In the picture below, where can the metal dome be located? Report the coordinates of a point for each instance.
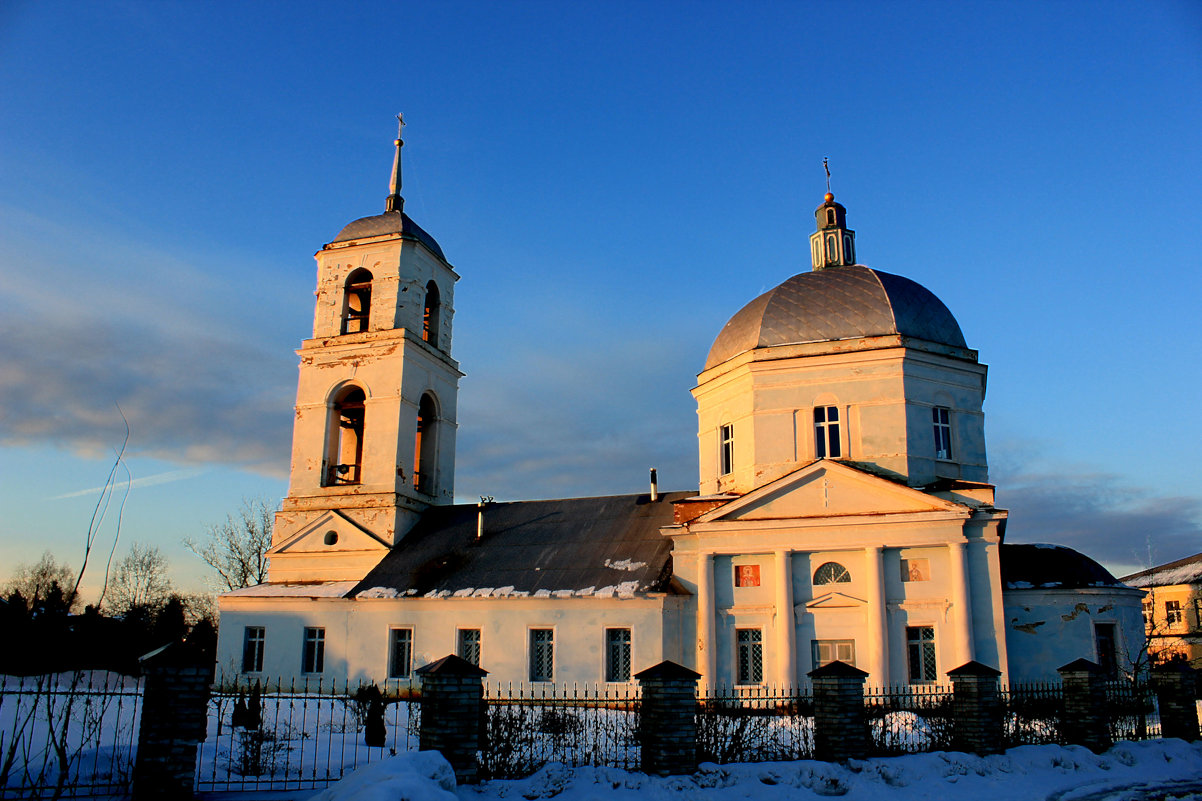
(390, 222)
(837, 303)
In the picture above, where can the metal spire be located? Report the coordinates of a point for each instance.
(395, 202)
(827, 167)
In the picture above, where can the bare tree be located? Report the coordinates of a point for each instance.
(237, 548)
(139, 581)
(38, 581)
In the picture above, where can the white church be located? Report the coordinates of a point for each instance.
(844, 510)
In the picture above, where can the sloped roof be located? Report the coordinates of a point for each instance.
(561, 547)
(390, 222)
(837, 303)
(1183, 571)
(1050, 567)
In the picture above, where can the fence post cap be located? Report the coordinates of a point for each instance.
(1082, 665)
(177, 653)
(667, 670)
(837, 670)
(451, 665)
(974, 668)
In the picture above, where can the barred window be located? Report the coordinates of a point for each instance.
(313, 658)
(617, 654)
(920, 649)
(469, 645)
(253, 640)
(400, 653)
(941, 421)
(831, 573)
(542, 655)
(826, 432)
(750, 657)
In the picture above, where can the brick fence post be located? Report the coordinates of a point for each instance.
(977, 708)
(1175, 694)
(175, 709)
(668, 723)
(1086, 719)
(452, 695)
(840, 723)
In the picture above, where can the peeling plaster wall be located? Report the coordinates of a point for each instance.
(1048, 628)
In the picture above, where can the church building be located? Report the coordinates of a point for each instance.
(844, 510)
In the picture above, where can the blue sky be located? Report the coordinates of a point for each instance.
(612, 181)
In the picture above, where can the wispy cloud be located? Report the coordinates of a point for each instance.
(146, 481)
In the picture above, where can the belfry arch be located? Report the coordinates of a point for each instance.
(425, 446)
(431, 314)
(356, 303)
(344, 437)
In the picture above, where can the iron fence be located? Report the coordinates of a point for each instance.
(910, 719)
(281, 737)
(1132, 711)
(68, 735)
(525, 727)
(755, 724)
(1033, 714)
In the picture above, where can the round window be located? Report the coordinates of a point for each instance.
(331, 538)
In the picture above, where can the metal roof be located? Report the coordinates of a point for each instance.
(390, 222)
(837, 303)
(1050, 567)
(1182, 571)
(563, 547)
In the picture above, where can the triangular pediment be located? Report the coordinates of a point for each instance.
(828, 489)
(835, 600)
(332, 525)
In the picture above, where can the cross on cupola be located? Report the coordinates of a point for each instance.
(833, 244)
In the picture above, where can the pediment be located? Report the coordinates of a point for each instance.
(314, 537)
(835, 600)
(828, 489)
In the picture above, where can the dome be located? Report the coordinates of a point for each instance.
(1050, 567)
(846, 302)
(390, 222)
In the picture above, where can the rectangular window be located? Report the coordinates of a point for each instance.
(826, 432)
(400, 653)
(1105, 643)
(727, 436)
(747, 575)
(941, 418)
(617, 654)
(469, 645)
(920, 651)
(826, 651)
(1148, 614)
(1172, 613)
(542, 655)
(253, 640)
(750, 667)
(1198, 613)
(313, 659)
(915, 570)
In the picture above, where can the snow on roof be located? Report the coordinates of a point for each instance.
(300, 589)
(1183, 571)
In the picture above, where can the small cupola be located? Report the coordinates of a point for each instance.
(833, 244)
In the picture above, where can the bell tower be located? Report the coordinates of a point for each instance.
(373, 441)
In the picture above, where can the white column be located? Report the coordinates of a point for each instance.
(961, 604)
(707, 660)
(786, 647)
(878, 631)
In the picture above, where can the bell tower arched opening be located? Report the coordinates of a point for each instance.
(425, 446)
(356, 304)
(345, 438)
(431, 314)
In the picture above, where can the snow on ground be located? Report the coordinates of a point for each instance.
(1144, 771)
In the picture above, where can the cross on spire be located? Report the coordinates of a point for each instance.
(395, 202)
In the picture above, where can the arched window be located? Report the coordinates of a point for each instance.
(831, 573)
(431, 314)
(830, 217)
(356, 305)
(425, 447)
(345, 461)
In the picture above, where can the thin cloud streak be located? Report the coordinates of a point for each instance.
(167, 477)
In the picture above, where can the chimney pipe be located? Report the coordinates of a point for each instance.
(654, 486)
(484, 500)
